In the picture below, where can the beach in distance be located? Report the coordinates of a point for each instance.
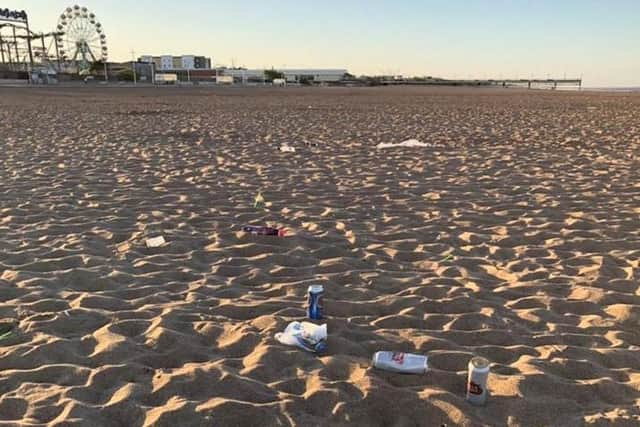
(512, 232)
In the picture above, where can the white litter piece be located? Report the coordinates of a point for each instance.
(407, 143)
(404, 363)
(155, 242)
(123, 247)
(287, 149)
(305, 335)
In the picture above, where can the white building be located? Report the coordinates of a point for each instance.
(313, 75)
(177, 63)
(166, 62)
(291, 75)
(188, 62)
(244, 75)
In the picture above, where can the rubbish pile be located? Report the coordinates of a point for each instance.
(313, 338)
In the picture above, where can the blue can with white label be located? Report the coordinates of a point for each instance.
(314, 302)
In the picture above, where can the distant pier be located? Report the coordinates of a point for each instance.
(552, 83)
(528, 83)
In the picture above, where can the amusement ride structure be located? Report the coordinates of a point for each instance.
(77, 43)
(80, 38)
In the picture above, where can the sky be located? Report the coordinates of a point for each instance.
(596, 39)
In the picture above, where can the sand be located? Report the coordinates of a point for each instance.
(515, 236)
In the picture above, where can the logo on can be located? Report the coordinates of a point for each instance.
(474, 388)
(314, 302)
(398, 357)
(477, 381)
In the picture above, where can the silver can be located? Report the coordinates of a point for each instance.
(477, 381)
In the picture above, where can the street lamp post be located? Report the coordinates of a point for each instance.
(133, 66)
(15, 44)
(2, 48)
(26, 22)
(55, 40)
(44, 48)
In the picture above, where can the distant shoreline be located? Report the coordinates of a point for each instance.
(23, 84)
(613, 89)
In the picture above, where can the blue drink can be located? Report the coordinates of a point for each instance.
(314, 302)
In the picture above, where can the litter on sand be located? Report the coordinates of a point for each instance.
(305, 335)
(287, 149)
(155, 242)
(404, 363)
(258, 200)
(6, 331)
(264, 231)
(447, 258)
(407, 143)
(123, 247)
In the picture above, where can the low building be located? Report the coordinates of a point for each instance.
(297, 75)
(143, 71)
(311, 75)
(241, 75)
(166, 78)
(176, 63)
(44, 75)
(201, 63)
(189, 68)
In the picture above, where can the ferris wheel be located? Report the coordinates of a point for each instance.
(80, 37)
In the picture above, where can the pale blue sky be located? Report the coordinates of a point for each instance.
(451, 38)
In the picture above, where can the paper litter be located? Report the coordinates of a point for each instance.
(287, 149)
(155, 242)
(407, 143)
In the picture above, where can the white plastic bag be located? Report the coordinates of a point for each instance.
(407, 143)
(305, 335)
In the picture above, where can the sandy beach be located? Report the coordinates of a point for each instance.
(515, 235)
